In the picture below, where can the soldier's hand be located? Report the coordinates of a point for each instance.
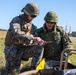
(38, 40)
(43, 43)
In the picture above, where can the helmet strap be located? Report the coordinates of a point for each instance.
(54, 28)
(26, 12)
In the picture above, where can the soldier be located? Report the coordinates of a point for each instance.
(21, 41)
(58, 40)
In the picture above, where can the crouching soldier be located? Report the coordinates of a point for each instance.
(21, 41)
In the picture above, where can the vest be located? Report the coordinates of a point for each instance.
(10, 39)
(54, 49)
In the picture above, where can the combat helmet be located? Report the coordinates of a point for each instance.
(51, 16)
(31, 9)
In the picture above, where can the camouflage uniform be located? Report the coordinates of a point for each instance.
(57, 35)
(19, 44)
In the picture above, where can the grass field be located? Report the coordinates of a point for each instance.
(2, 37)
(2, 60)
(73, 57)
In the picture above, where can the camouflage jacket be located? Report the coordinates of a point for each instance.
(17, 34)
(59, 40)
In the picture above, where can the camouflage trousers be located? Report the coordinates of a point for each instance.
(14, 54)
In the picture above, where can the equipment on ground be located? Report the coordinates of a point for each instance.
(65, 68)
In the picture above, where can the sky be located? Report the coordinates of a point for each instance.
(65, 9)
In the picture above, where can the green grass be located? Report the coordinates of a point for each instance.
(72, 59)
(1, 46)
(73, 56)
(73, 41)
(2, 60)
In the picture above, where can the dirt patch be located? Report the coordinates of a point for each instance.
(74, 38)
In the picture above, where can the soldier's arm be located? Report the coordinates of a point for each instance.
(16, 30)
(20, 35)
(66, 41)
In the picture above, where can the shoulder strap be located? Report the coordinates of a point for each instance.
(60, 29)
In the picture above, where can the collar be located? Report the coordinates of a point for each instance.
(47, 30)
